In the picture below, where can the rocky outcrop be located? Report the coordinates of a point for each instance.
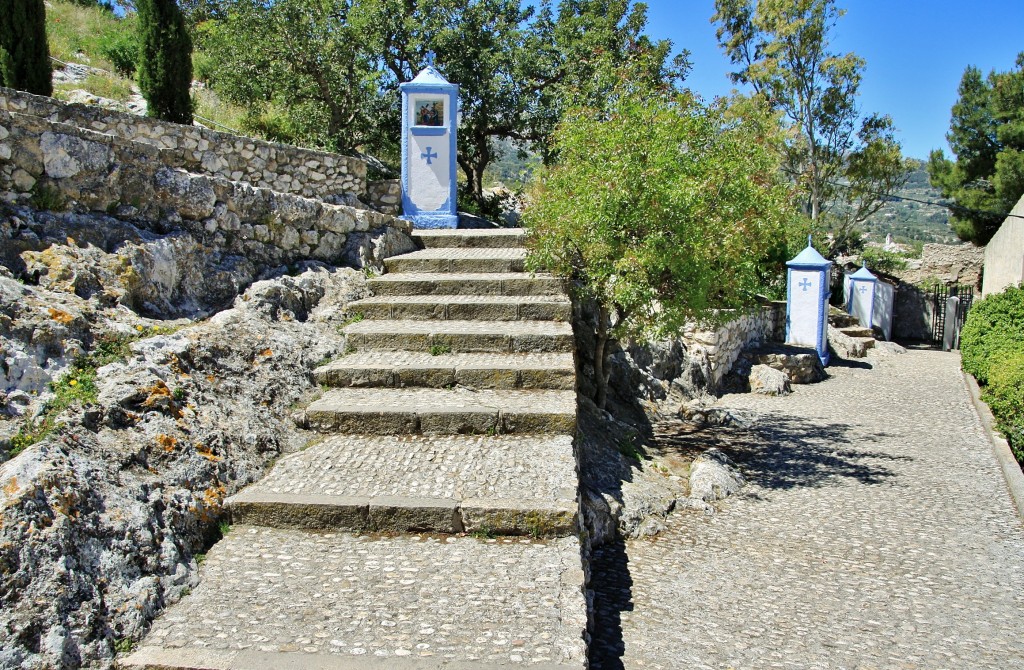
(102, 522)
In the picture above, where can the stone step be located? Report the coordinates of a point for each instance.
(462, 260)
(465, 307)
(858, 331)
(461, 336)
(842, 320)
(479, 370)
(470, 283)
(498, 237)
(291, 599)
(389, 411)
(502, 484)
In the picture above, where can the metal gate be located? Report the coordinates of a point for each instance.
(940, 295)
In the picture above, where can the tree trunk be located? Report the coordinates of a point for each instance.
(600, 347)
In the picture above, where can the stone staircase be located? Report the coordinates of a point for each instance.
(435, 525)
(847, 337)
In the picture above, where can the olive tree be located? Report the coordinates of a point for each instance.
(661, 209)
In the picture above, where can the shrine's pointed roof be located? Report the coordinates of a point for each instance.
(809, 257)
(429, 76)
(864, 274)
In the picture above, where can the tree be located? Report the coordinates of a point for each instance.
(660, 209)
(986, 135)
(337, 65)
(24, 54)
(301, 68)
(165, 61)
(783, 51)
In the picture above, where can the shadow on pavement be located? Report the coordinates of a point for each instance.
(613, 595)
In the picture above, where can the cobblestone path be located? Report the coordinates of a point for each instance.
(436, 523)
(877, 532)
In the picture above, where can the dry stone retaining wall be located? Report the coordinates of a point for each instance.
(279, 167)
(107, 173)
(722, 345)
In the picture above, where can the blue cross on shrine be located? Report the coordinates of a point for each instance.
(863, 289)
(805, 284)
(430, 154)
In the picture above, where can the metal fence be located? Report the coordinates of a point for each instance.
(954, 312)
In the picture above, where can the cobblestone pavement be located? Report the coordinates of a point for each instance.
(432, 466)
(877, 532)
(310, 594)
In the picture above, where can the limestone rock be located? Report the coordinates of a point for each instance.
(67, 155)
(713, 477)
(769, 381)
(101, 522)
(845, 346)
(801, 364)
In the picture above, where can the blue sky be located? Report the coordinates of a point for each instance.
(916, 52)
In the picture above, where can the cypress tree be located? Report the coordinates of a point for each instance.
(165, 62)
(24, 54)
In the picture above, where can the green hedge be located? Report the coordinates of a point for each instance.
(994, 331)
(1005, 395)
(992, 349)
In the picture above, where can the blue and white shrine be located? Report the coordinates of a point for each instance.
(430, 110)
(807, 293)
(860, 300)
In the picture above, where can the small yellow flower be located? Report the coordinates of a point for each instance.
(73, 382)
(140, 328)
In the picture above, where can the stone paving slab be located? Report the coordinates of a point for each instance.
(469, 283)
(459, 260)
(392, 411)
(475, 370)
(271, 598)
(499, 237)
(877, 532)
(480, 480)
(462, 336)
(465, 307)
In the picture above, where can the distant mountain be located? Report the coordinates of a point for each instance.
(910, 221)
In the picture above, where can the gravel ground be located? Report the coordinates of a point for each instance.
(877, 532)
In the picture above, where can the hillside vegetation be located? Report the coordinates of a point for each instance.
(910, 221)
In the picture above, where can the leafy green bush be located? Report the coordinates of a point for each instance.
(1005, 395)
(121, 48)
(994, 330)
(882, 260)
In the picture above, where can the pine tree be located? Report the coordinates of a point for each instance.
(165, 63)
(24, 54)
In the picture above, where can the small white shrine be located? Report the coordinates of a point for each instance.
(430, 109)
(807, 294)
(861, 296)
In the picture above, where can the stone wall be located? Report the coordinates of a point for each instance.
(1004, 255)
(279, 167)
(722, 345)
(64, 165)
(947, 264)
(385, 196)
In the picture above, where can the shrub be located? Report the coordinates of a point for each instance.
(122, 50)
(1005, 395)
(882, 260)
(994, 330)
